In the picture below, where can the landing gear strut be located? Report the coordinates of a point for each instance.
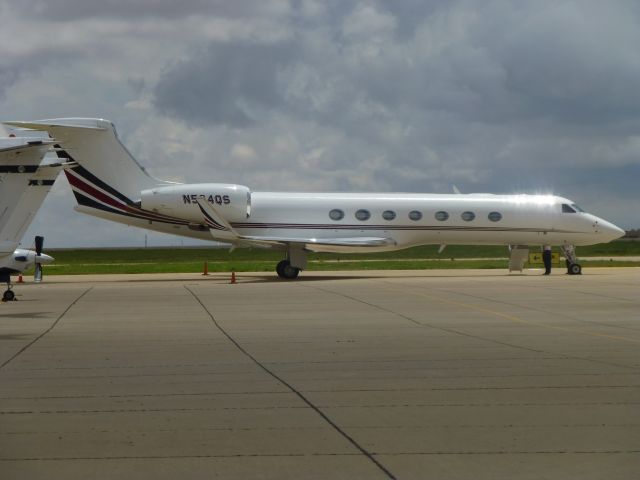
(573, 267)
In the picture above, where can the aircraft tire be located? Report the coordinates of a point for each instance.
(8, 295)
(290, 272)
(280, 268)
(575, 269)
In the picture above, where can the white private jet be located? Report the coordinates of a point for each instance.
(24, 184)
(109, 183)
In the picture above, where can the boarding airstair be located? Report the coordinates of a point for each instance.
(518, 256)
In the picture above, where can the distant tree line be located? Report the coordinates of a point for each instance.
(634, 233)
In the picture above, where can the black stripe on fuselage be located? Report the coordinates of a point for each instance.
(39, 183)
(88, 202)
(88, 176)
(18, 168)
(62, 153)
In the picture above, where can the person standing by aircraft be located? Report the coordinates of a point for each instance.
(546, 259)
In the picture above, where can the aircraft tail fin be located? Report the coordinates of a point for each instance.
(20, 159)
(104, 165)
(29, 202)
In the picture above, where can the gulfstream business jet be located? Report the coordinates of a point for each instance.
(109, 183)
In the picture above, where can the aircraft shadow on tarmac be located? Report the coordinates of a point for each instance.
(27, 315)
(270, 278)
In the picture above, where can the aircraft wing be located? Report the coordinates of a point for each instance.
(221, 230)
(218, 226)
(318, 244)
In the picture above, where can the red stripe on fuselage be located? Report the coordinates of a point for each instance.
(88, 189)
(97, 194)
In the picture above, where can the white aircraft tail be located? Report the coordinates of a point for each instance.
(103, 163)
(20, 159)
(28, 204)
(105, 178)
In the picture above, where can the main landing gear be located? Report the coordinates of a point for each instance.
(285, 270)
(573, 267)
(8, 294)
(295, 262)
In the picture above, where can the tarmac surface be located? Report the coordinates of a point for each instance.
(437, 374)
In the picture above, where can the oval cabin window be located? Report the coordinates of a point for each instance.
(336, 214)
(388, 214)
(415, 215)
(363, 215)
(495, 216)
(468, 216)
(442, 216)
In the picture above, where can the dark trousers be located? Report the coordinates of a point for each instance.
(546, 259)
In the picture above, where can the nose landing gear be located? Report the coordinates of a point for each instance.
(573, 267)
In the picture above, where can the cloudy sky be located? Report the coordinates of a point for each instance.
(414, 96)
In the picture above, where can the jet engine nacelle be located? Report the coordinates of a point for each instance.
(232, 201)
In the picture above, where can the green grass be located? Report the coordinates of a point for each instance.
(184, 260)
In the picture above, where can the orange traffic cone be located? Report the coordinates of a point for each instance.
(20, 278)
(206, 269)
(233, 276)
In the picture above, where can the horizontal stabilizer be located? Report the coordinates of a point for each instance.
(45, 125)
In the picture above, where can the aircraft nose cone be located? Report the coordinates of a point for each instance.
(609, 230)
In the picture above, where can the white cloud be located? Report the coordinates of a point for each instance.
(242, 151)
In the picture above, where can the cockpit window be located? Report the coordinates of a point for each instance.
(567, 209)
(576, 207)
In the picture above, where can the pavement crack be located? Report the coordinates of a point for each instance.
(297, 392)
(53, 325)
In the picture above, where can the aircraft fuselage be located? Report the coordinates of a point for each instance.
(410, 219)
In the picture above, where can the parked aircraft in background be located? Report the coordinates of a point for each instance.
(24, 184)
(109, 183)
